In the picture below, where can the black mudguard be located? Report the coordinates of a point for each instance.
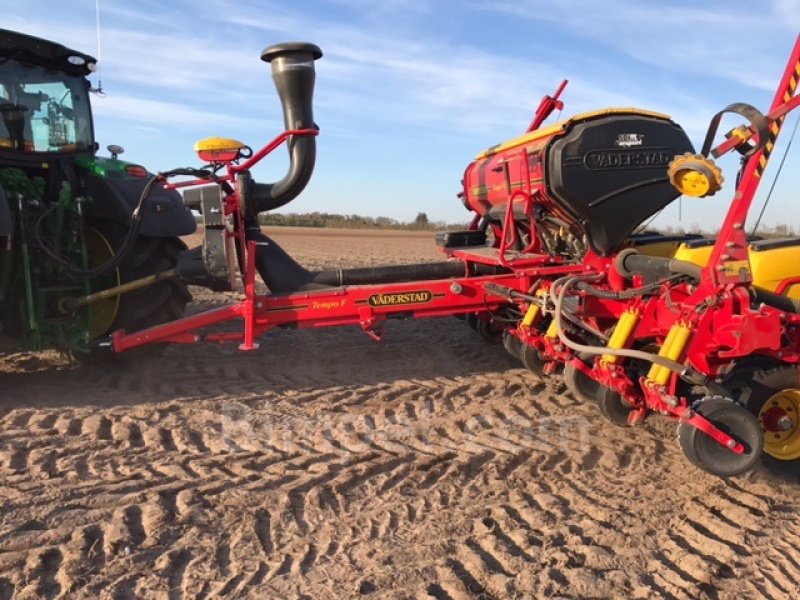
(6, 220)
(114, 198)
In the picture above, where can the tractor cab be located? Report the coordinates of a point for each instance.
(44, 97)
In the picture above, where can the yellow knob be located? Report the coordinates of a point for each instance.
(695, 175)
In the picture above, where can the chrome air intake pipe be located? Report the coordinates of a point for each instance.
(293, 74)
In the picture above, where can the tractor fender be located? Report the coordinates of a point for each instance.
(6, 220)
(115, 197)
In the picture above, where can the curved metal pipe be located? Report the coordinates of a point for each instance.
(293, 73)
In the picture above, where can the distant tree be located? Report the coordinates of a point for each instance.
(421, 221)
(782, 229)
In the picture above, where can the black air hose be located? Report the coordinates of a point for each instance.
(629, 263)
(623, 294)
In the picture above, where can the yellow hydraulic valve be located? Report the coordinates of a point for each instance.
(695, 175)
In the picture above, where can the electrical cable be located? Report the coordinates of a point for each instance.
(777, 175)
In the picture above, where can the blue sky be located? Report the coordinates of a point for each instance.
(409, 91)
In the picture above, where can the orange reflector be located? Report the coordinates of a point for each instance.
(136, 171)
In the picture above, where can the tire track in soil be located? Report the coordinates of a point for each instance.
(408, 468)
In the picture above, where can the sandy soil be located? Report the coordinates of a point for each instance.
(325, 465)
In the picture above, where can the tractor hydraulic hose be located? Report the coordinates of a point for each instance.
(120, 254)
(625, 352)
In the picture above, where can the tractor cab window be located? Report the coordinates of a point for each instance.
(43, 110)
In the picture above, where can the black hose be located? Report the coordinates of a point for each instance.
(127, 245)
(630, 263)
(624, 294)
(784, 303)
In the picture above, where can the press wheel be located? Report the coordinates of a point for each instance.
(711, 456)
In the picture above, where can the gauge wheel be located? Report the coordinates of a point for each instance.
(489, 332)
(532, 360)
(613, 406)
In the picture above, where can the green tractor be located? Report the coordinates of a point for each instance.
(73, 226)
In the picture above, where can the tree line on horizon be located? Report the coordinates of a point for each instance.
(422, 223)
(335, 220)
(767, 231)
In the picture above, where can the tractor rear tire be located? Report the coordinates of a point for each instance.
(154, 305)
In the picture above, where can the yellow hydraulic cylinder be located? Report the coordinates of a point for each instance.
(530, 315)
(622, 332)
(533, 310)
(552, 330)
(655, 370)
(672, 348)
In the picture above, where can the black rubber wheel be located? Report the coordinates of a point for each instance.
(582, 387)
(532, 360)
(159, 303)
(772, 389)
(512, 344)
(489, 332)
(711, 456)
(612, 406)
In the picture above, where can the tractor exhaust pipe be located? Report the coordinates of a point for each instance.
(293, 73)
